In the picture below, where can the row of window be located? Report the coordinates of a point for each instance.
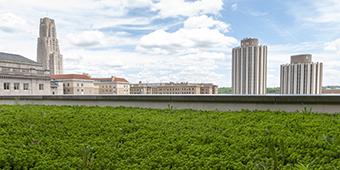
(176, 89)
(16, 86)
(20, 70)
(69, 90)
(178, 93)
(112, 86)
(78, 85)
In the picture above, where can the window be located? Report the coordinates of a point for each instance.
(68, 84)
(82, 84)
(24, 70)
(16, 86)
(82, 90)
(6, 86)
(41, 86)
(25, 86)
(6, 69)
(77, 90)
(77, 84)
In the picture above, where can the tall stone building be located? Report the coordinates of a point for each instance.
(301, 76)
(48, 53)
(249, 67)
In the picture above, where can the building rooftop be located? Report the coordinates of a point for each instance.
(249, 42)
(301, 58)
(112, 79)
(15, 58)
(71, 76)
(119, 79)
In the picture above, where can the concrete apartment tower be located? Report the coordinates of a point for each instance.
(301, 76)
(48, 53)
(249, 67)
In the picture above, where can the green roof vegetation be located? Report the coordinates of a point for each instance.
(74, 137)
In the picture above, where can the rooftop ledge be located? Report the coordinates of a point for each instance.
(265, 99)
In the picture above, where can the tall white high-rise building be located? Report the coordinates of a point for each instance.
(249, 67)
(48, 53)
(301, 76)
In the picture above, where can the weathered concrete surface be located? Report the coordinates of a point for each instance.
(289, 103)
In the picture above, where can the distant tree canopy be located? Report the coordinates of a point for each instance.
(225, 90)
(229, 90)
(273, 90)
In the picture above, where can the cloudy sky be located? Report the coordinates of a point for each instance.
(175, 40)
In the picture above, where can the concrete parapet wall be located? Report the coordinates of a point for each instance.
(289, 103)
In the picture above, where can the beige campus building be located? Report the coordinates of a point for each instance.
(173, 88)
(76, 84)
(112, 85)
(48, 53)
(301, 76)
(22, 76)
(249, 67)
(83, 84)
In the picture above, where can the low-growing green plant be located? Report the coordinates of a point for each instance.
(306, 110)
(76, 137)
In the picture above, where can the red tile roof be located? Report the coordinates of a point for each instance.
(113, 79)
(119, 79)
(71, 76)
(102, 79)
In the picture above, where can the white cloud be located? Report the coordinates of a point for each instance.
(326, 11)
(193, 36)
(98, 39)
(12, 23)
(234, 7)
(185, 39)
(87, 38)
(317, 11)
(175, 8)
(204, 21)
(333, 46)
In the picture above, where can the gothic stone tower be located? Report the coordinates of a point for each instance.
(48, 53)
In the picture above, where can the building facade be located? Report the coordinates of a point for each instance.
(48, 52)
(301, 76)
(249, 67)
(57, 87)
(76, 84)
(83, 84)
(22, 76)
(173, 88)
(113, 85)
(330, 91)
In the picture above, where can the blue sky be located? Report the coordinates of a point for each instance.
(175, 40)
